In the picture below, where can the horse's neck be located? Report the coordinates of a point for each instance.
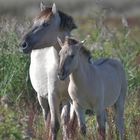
(61, 35)
(46, 56)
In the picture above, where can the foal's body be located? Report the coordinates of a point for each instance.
(93, 86)
(97, 93)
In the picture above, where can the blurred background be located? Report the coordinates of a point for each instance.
(114, 29)
(80, 7)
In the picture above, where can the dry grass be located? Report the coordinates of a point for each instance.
(21, 117)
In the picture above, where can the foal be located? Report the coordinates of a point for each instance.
(93, 86)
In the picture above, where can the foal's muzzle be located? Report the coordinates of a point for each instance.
(62, 75)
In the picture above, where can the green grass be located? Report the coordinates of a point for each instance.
(15, 83)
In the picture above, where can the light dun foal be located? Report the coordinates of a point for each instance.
(93, 86)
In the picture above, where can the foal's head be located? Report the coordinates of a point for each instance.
(68, 57)
(46, 28)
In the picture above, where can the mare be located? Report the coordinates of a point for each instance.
(41, 43)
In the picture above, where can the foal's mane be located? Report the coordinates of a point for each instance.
(86, 52)
(66, 23)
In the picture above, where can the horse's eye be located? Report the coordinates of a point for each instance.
(45, 24)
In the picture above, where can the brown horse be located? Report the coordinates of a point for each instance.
(41, 43)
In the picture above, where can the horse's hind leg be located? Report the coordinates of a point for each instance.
(65, 120)
(119, 115)
(46, 112)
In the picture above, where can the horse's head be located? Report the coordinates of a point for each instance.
(69, 54)
(45, 29)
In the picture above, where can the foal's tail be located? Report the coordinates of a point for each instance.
(119, 108)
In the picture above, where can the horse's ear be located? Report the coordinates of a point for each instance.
(42, 6)
(54, 10)
(60, 42)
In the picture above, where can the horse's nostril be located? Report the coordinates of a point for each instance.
(24, 44)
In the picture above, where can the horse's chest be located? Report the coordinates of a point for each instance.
(43, 70)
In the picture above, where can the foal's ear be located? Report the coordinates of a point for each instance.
(42, 6)
(83, 41)
(54, 10)
(60, 42)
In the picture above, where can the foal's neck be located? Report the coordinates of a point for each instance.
(82, 70)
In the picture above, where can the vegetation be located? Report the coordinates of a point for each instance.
(20, 115)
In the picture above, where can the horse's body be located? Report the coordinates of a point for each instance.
(41, 42)
(93, 86)
(43, 72)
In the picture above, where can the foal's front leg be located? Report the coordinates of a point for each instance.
(81, 117)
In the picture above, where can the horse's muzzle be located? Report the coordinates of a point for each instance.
(24, 47)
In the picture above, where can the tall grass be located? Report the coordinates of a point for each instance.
(15, 83)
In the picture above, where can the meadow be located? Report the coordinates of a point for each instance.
(20, 114)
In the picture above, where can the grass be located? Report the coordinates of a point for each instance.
(20, 114)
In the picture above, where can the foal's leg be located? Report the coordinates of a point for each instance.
(101, 119)
(72, 123)
(81, 118)
(46, 112)
(54, 109)
(119, 120)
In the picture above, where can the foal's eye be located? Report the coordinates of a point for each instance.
(72, 56)
(45, 24)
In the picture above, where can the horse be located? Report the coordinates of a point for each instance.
(41, 43)
(93, 85)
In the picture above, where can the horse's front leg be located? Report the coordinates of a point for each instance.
(54, 109)
(46, 112)
(81, 117)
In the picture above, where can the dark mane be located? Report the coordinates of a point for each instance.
(67, 22)
(86, 52)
